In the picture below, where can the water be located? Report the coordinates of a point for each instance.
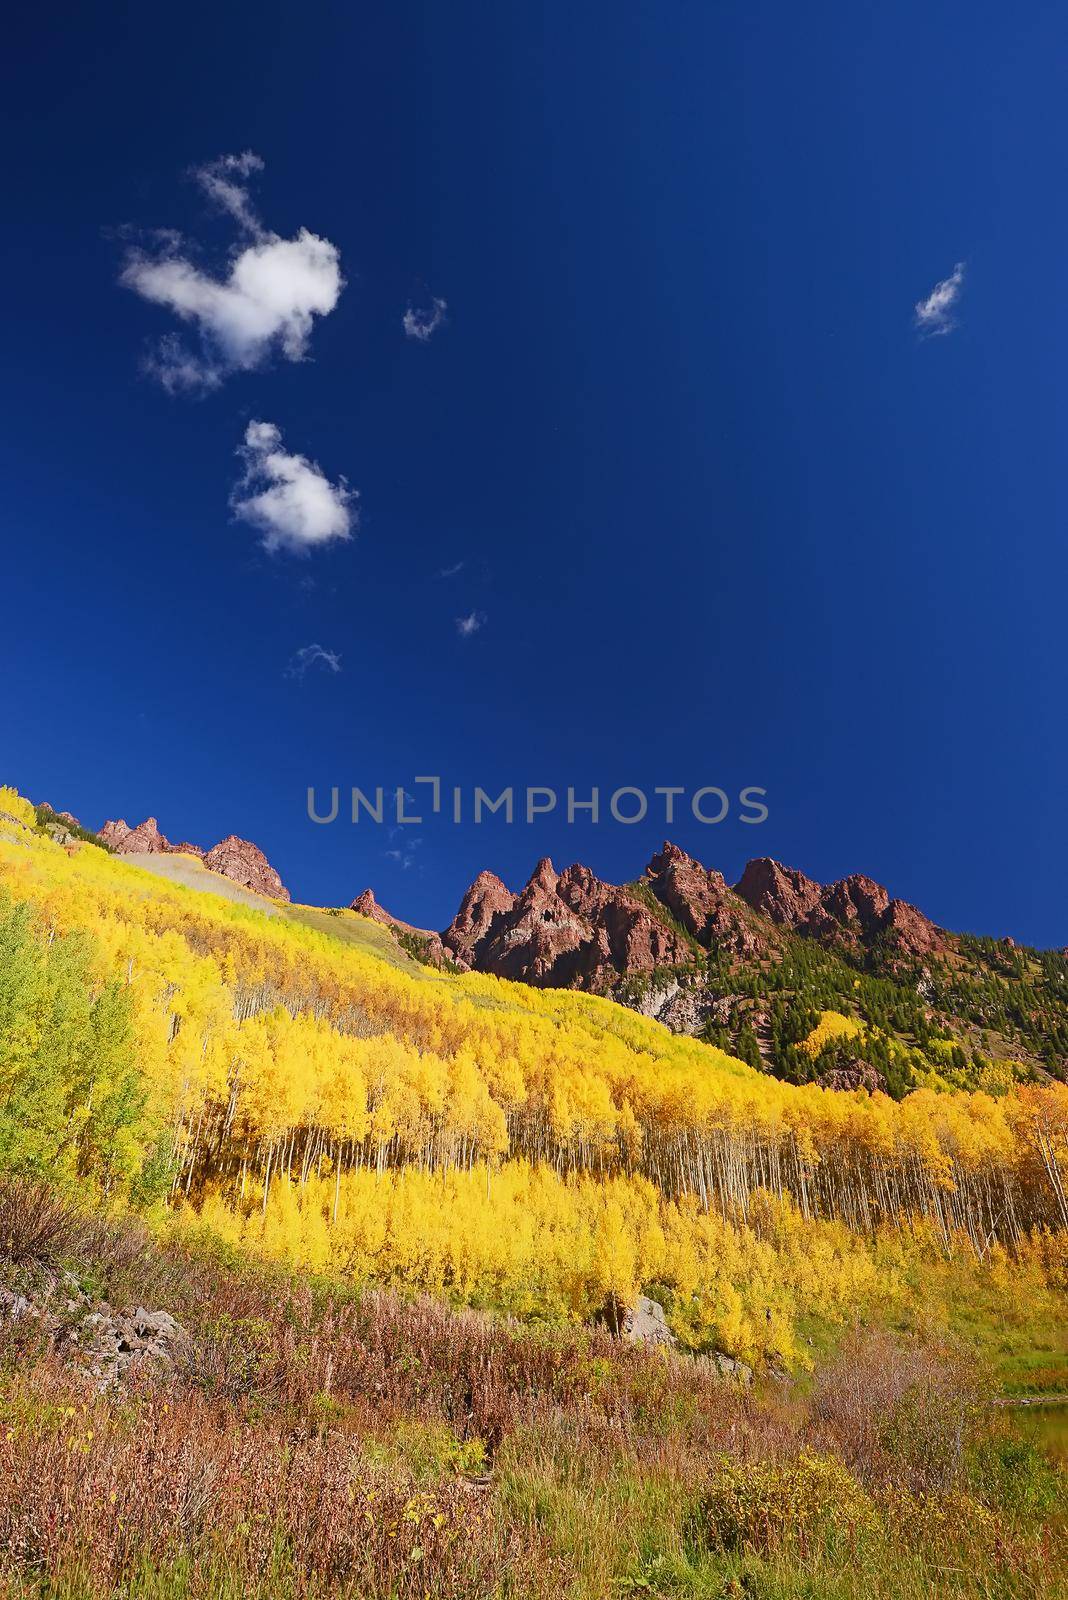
(1044, 1425)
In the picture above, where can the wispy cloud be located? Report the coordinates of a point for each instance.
(220, 181)
(451, 572)
(404, 857)
(936, 314)
(308, 656)
(423, 322)
(264, 304)
(289, 498)
(466, 626)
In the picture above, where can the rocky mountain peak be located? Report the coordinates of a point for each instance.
(565, 930)
(145, 839)
(368, 906)
(699, 899)
(486, 900)
(778, 892)
(543, 876)
(853, 910)
(246, 864)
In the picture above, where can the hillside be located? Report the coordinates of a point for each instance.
(754, 967)
(542, 1150)
(240, 1139)
(838, 984)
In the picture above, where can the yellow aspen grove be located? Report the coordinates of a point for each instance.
(543, 1149)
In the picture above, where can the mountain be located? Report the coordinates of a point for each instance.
(855, 910)
(566, 930)
(572, 930)
(836, 983)
(238, 859)
(839, 984)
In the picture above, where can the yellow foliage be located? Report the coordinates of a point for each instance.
(538, 1149)
(832, 1025)
(13, 805)
(524, 1239)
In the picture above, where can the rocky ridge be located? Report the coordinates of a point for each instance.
(855, 910)
(233, 857)
(573, 930)
(426, 944)
(565, 930)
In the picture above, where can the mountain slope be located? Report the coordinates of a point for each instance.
(757, 966)
(538, 1150)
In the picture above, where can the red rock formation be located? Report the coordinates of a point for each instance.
(143, 840)
(856, 910)
(433, 950)
(232, 857)
(566, 930)
(573, 930)
(486, 899)
(778, 892)
(909, 929)
(246, 864)
(699, 899)
(539, 938)
(630, 938)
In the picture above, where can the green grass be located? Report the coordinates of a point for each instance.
(359, 933)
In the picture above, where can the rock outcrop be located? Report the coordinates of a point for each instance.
(854, 1074)
(247, 865)
(109, 1346)
(645, 1322)
(427, 944)
(143, 840)
(855, 910)
(566, 930)
(234, 858)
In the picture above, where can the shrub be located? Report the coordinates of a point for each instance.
(898, 1410)
(808, 1502)
(38, 1225)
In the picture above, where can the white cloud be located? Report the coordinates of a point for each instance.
(466, 626)
(265, 303)
(288, 497)
(935, 314)
(423, 324)
(180, 370)
(308, 655)
(218, 179)
(451, 572)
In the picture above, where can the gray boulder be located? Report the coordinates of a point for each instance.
(645, 1323)
(729, 1367)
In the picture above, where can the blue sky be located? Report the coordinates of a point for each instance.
(725, 515)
